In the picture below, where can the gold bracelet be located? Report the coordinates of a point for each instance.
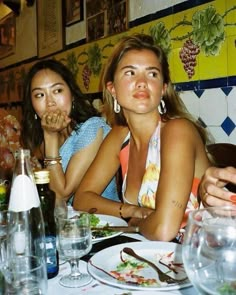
(52, 158)
(120, 211)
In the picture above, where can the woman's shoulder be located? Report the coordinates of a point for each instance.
(178, 125)
(93, 123)
(180, 129)
(96, 120)
(120, 131)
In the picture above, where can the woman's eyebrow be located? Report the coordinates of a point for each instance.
(147, 68)
(51, 86)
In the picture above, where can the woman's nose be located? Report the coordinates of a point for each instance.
(50, 100)
(141, 82)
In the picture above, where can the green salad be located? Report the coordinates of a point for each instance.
(94, 222)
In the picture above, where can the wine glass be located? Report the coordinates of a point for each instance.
(209, 250)
(74, 236)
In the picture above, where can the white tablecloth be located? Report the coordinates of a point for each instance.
(95, 287)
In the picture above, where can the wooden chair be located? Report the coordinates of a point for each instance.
(224, 155)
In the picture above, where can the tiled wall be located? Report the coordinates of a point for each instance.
(209, 95)
(216, 107)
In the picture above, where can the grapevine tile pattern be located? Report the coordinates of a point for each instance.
(212, 101)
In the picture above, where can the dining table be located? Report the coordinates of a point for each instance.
(97, 287)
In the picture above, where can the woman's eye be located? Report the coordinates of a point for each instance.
(59, 90)
(153, 74)
(38, 95)
(129, 73)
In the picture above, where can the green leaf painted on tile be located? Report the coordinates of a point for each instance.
(208, 30)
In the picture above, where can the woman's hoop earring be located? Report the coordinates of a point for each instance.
(162, 107)
(35, 116)
(116, 106)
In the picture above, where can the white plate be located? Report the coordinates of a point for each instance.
(104, 220)
(110, 220)
(108, 259)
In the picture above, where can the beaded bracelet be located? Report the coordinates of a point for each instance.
(49, 161)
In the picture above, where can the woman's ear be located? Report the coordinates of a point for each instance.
(164, 89)
(111, 88)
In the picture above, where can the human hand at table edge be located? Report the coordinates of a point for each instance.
(212, 190)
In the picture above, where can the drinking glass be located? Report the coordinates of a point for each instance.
(3, 222)
(3, 243)
(60, 209)
(74, 236)
(209, 250)
(19, 274)
(25, 275)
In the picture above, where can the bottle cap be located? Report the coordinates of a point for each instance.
(42, 176)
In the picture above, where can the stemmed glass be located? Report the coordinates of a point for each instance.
(74, 236)
(209, 250)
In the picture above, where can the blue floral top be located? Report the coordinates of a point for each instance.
(81, 138)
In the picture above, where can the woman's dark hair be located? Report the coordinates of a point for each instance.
(32, 132)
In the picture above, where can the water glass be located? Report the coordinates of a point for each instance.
(209, 250)
(74, 236)
(19, 274)
(25, 275)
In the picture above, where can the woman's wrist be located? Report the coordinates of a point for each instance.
(126, 210)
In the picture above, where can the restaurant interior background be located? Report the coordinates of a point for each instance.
(199, 37)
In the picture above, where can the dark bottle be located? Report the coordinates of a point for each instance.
(47, 199)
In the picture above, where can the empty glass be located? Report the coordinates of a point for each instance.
(25, 275)
(74, 236)
(209, 250)
(19, 274)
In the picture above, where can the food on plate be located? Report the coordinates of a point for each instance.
(95, 221)
(169, 260)
(132, 271)
(129, 271)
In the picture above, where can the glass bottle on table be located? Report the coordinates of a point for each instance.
(26, 233)
(25, 210)
(47, 199)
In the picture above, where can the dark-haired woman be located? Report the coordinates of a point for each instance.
(61, 126)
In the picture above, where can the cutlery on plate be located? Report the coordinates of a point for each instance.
(163, 277)
(125, 229)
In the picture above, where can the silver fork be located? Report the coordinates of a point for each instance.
(163, 277)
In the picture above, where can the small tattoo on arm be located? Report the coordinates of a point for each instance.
(177, 204)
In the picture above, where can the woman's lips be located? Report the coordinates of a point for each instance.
(141, 95)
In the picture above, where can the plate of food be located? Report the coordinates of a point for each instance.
(100, 221)
(124, 271)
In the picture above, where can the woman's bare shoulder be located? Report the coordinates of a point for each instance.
(119, 132)
(179, 126)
